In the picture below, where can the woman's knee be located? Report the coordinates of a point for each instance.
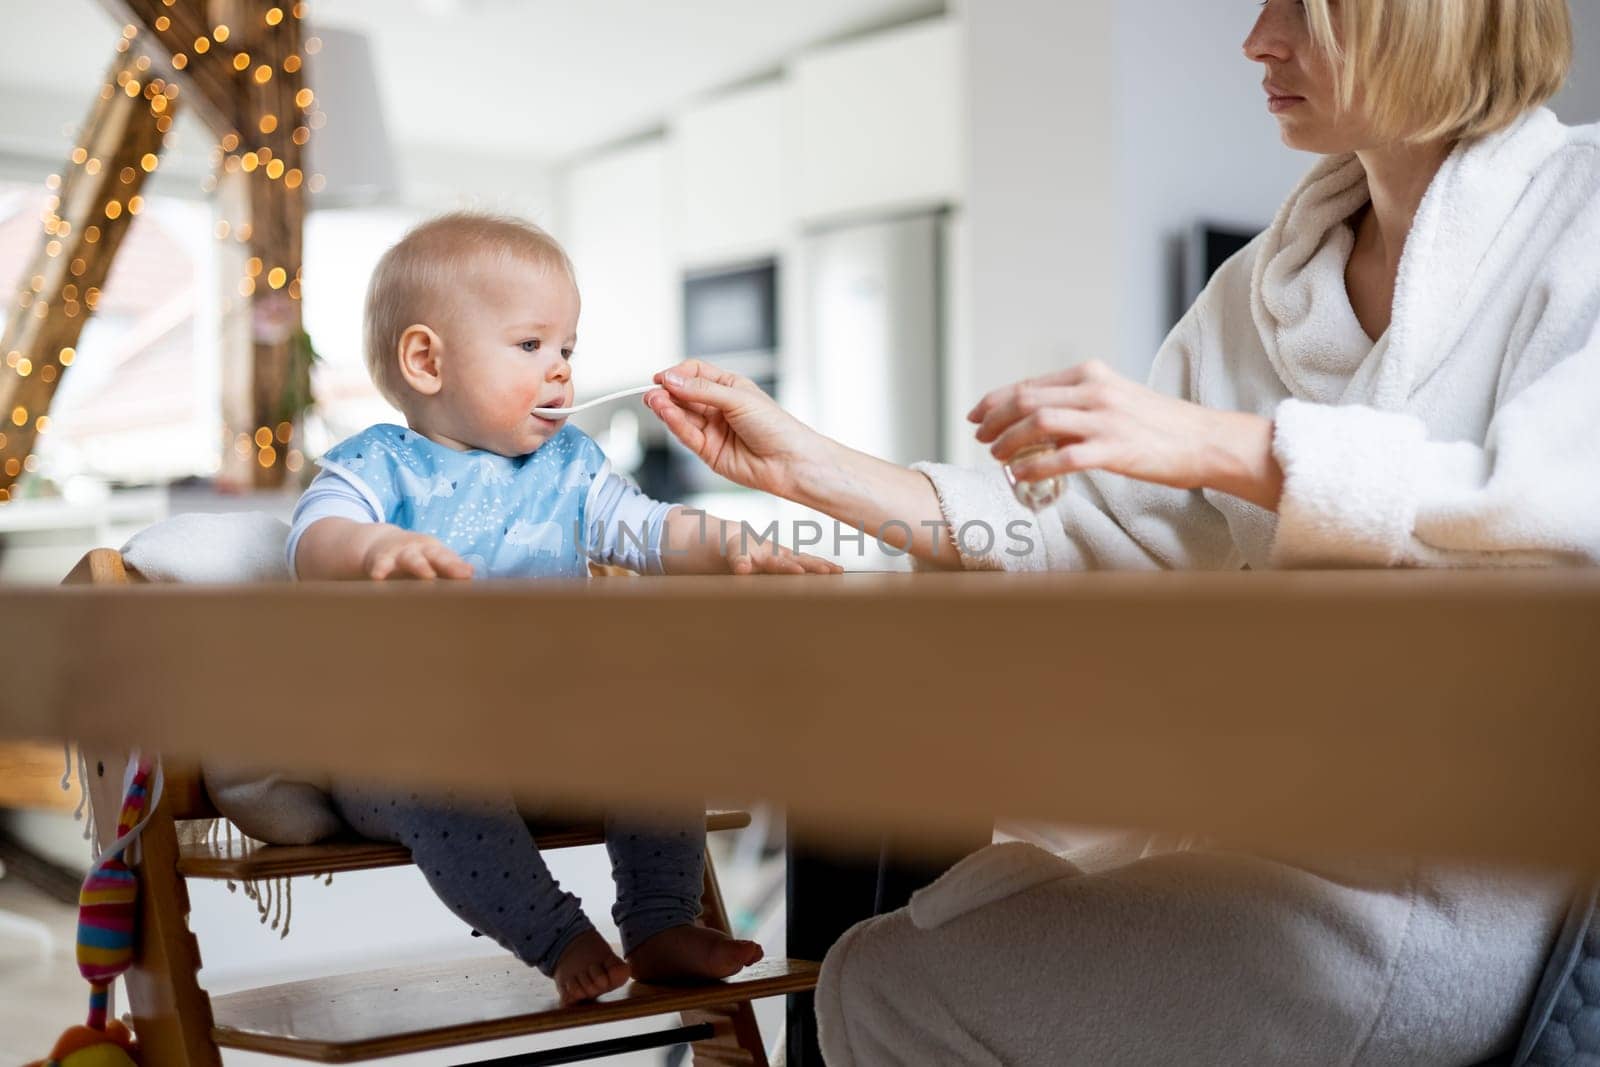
(874, 993)
(849, 964)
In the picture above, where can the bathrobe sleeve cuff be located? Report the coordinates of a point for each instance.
(991, 530)
(1350, 484)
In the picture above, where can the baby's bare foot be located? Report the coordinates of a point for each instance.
(688, 953)
(587, 968)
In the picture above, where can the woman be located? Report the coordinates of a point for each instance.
(1403, 370)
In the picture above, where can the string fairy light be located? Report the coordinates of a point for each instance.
(274, 158)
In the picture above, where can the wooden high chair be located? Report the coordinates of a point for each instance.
(397, 1010)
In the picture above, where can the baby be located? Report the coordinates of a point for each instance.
(471, 322)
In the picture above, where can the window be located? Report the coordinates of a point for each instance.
(141, 401)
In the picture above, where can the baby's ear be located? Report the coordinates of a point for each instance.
(419, 354)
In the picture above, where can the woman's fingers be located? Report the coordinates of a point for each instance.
(687, 426)
(1092, 371)
(1069, 376)
(1052, 426)
(1067, 459)
(662, 400)
(695, 368)
(694, 390)
(695, 374)
(1034, 400)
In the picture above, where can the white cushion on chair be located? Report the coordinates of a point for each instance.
(270, 807)
(237, 547)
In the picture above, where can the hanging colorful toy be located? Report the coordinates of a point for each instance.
(108, 910)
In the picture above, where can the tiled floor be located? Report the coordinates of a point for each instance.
(40, 991)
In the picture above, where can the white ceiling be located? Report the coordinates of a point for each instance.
(535, 79)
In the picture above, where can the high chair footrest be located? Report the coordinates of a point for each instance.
(243, 861)
(390, 1012)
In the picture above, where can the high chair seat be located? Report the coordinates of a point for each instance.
(354, 1017)
(393, 1011)
(244, 861)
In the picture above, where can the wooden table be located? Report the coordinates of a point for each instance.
(1451, 712)
(30, 777)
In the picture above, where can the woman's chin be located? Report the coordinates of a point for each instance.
(1312, 137)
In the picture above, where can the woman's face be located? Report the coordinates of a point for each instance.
(1299, 81)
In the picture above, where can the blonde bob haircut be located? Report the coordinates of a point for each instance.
(424, 277)
(1445, 69)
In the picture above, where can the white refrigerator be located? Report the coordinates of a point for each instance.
(874, 333)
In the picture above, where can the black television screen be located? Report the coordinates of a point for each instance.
(1210, 245)
(728, 312)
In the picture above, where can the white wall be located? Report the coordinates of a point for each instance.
(434, 180)
(1100, 133)
(1194, 141)
(858, 129)
(1580, 102)
(878, 122)
(730, 197)
(1042, 233)
(614, 225)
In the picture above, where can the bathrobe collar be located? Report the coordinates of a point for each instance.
(1298, 297)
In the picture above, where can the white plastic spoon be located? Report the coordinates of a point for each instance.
(608, 398)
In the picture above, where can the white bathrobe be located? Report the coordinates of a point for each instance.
(1468, 435)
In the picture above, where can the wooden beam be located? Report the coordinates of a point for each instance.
(171, 1012)
(89, 213)
(272, 106)
(246, 59)
(242, 60)
(182, 30)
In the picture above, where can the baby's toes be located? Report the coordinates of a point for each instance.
(600, 980)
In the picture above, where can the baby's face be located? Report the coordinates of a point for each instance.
(507, 350)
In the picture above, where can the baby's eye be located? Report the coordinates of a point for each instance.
(566, 354)
(530, 345)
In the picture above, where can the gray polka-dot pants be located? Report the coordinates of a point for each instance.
(479, 856)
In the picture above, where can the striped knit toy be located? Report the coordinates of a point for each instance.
(108, 908)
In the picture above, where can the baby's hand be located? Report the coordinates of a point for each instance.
(396, 553)
(748, 554)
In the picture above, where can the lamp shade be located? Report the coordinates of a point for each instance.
(351, 151)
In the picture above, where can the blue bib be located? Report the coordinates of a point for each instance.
(518, 517)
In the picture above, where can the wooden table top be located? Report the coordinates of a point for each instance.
(1453, 712)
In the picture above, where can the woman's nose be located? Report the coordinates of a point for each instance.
(1268, 41)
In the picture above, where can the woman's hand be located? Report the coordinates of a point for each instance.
(739, 432)
(1091, 418)
(736, 429)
